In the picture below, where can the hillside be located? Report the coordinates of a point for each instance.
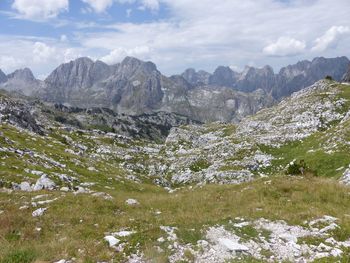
(74, 192)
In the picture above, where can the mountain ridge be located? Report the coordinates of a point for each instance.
(135, 87)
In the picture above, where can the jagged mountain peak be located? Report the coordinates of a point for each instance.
(194, 77)
(83, 60)
(24, 74)
(132, 63)
(81, 72)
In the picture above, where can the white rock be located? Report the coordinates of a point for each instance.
(242, 224)
(44, 183)
(232, 245)
(63, 261)
(328, 228)
(161, 239)
(111, 240)
(336, 252)
(25, 186)
(39, 212)
(123, 233)
(132, 202)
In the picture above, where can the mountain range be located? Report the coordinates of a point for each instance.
(136, 87)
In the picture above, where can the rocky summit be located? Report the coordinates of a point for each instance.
(93, 184)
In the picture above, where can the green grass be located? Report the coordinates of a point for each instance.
(317, 160)
(199, 165)
(19, 256)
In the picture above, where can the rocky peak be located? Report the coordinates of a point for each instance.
(130, 65)
(3, 77)
(80, 73)
(292, 71)
(196, 78)
(22, 74)
(320, 67)
(223, 76)
(190, 75)
(252, 79)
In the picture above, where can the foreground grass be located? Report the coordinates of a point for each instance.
(74, 226)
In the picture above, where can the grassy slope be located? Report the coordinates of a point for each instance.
(313, 149)
(68, 229)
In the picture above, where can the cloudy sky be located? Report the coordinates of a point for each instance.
(175, 34)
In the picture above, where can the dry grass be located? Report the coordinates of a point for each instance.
(69, 226)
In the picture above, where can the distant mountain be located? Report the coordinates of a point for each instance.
(196, 78)
(296, 77)
(21, 80)
(289, 79)
(136, 87)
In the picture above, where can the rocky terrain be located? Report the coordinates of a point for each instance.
(92, 185)
(136, 87)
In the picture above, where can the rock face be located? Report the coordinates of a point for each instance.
(346, 77)
(21, 80)
(20, 114)
(136, 87)
(73, 82)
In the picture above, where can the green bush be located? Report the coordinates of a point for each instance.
(329, 77)
(295, 168)
(199, 165)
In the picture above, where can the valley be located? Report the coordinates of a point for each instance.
(215, 192)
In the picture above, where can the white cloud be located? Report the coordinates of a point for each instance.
(70, 54)
(40, 9)
(150, 4)
(99, 6)
(330, 38)
(285, 46)
(199, 34)
(202, 35)
(43, 53)
(116, 55)
(10, 63)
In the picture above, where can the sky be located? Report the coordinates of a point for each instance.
(174, 34)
